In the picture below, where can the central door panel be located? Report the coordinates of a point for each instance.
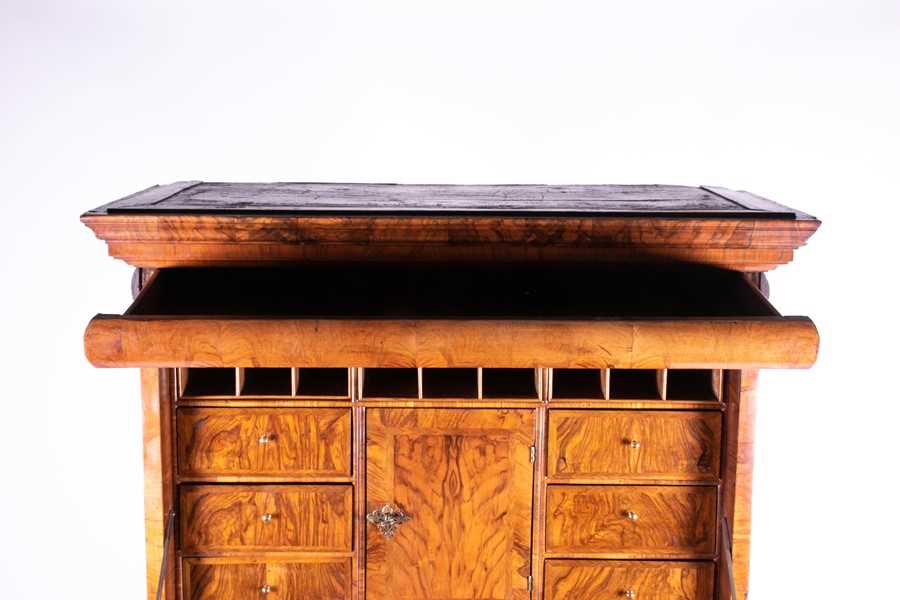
(464, 478)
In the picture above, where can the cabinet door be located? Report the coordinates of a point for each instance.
(464, 477)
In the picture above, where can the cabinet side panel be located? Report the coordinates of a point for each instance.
(740, 389)
(156, 401)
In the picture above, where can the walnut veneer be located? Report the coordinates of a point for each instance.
(357, 391)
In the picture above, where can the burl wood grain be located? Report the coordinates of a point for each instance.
(672, 521)
(313, 518)
(465, 477)
(600, 445)
(222, 580)
(764, 342)
(611, 580)
(243, 579)
(224, 443)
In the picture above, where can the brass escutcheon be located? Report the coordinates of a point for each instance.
(386, 519)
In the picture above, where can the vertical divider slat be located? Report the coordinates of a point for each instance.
(360, 382)
(548, 385)
(662, 383)
(718, 380)
(419, 376)
(183, 373)
(606, 382)
(295, 380)
(238, 381)
(480, 384)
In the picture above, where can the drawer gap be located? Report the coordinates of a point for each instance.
(322, 382)
(390, 383)
(450, 383)
(693, 384)
(264, 381)
(635, 384)
(206, 381)
(580, 384)
(510, 383)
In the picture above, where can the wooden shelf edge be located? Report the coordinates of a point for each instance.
(173, 240)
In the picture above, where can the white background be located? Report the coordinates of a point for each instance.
(794, 100)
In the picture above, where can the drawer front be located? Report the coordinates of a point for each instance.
(634, 445)
(301, 518)
(245, 444)
(612, 580)
(244, 579)
(632, 521)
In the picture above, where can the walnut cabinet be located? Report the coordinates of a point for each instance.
(356, 391)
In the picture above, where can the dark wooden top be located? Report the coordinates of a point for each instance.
(202, 224)
(197, 197)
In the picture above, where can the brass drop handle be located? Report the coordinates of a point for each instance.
(265, 589)
(267, 517)
(266, 438)
(631, 515)
(386, 519)
(630, 594)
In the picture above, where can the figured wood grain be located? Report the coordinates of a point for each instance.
(207, 580)
(737, 489)
(655, 405)
(218, 339)
(598, 445)
(295, 518)
(359, 486)
(235, 578)
(263, 402)
(610, 580)
(770, 342)
(465, 477)
(673, 521)
(225, 442)
(309, 581)
(160, 255)
(157, 389)
(539, 501)
(578, 222)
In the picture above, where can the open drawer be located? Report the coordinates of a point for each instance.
(562, 316)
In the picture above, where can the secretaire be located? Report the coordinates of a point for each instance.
(372, 391)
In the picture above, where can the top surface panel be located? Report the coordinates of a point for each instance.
(193, 197)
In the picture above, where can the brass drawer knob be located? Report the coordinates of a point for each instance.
(265, 589)
(634, 444)
(265, 439)
(631, 515)
(630, 594)
(267, 517)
